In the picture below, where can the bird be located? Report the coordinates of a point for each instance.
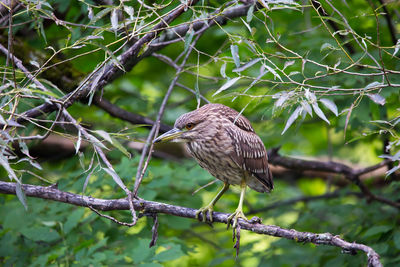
(224, 143)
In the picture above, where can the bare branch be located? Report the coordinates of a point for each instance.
(125, 115)
(333, 167)
(156, 207)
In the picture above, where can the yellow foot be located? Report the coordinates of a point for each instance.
(235, 216)
(207, 209)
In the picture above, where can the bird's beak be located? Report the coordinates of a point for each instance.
(170, 135)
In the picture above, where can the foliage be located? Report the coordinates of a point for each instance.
(314, 90)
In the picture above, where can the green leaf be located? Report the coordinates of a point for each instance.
(188, 39)
(292, 118)
(120, 147)
(379, 229)
(235, 55)
(228, 84)
(173, 252)
(396, 239)
(10, 171)
(40, 234)
(21, 195)
(319, 112)
(249, 16)
(73, 219)
(116, 178)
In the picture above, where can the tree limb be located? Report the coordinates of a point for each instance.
(125, 115)
(255, 226)
(353, 175)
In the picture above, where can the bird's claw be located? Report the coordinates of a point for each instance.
(205, 210)
(234, 217)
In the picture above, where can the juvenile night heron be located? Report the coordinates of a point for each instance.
(224, 143)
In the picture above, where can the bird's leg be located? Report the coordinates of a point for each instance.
(210, 207)
(239, 211)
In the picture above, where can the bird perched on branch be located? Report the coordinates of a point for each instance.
(224, 143)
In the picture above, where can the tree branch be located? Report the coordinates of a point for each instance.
(125, 115)
(51, 193)
(353, 175)
(131, 57)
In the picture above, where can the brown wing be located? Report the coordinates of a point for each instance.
(251, 155)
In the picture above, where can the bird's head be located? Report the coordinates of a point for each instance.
(188, 127)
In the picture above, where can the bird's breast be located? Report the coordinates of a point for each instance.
(215, 158)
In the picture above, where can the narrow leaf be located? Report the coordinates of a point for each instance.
(96, 141)
(120, 147)
(105, 135)
(13, 123)
(188, 39)
(228, 84)
(392, 170)
(114, 20)
(235, 55)
(348, 119)
(222, 70)
(310, 96)
(246, 24)
(282, 99)
(21, 195)
(306, 107)
(78, 143)
(276, 75)
(129, 10)
(288, 63)
(292, 118)
(90, 13)
(99, 15)
(326, 46)
(246, 65)
(10, 171)
(372, 85)
(116, 178)
(87, 180)
(82, 160)
(249, 16)
(396, 48)
(319, 112)
(377, 98)
(330, 105)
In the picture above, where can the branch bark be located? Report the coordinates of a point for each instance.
(253, 225)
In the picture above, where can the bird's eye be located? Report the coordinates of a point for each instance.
(189, 126)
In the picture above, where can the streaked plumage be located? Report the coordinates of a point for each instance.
(224, 143)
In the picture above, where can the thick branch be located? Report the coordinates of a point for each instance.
(156, 207)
